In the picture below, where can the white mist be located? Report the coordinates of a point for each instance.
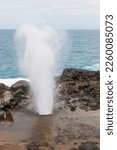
(37, 49)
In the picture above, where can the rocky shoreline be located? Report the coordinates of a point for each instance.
(75, 89)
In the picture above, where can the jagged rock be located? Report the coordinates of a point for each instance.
(81, 85)
(72, 74)
(17, 95)
(2, 114)
(5, 96)
(77, 88)
(6, 115)
(21, 93)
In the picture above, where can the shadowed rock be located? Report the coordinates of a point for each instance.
(21, 93)
(5, 96)
(88, 146)
(2, 114)
(6, 115)
(17, 95)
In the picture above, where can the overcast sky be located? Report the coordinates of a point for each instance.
(70, 14)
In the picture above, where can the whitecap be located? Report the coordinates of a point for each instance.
(11, 81)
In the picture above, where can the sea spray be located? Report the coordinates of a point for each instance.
(37, 49)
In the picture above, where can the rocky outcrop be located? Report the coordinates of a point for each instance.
(73, 74)
(77, 88)
(21, 93)
(15, 96)
(75, 131)
(5, 96)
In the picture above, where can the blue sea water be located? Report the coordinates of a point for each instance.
(83, 52)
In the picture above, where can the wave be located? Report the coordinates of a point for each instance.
(11, 81)
(95, 67)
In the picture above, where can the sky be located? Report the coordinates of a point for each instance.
(65, 14)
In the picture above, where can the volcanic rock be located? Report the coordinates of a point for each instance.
(21, 93)
(2, 114)
(5, 96)
(76, 88)
(79, 88)
(6, 115)
(17, 95)
(73, 74)
(88, 146)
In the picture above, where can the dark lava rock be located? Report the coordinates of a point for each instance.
(2, 114)
(6, 115)
(70, 74)
(79, 88)
(36, 146)
(5, 96)
(9, 116)
(21, 93)
(33, 146)
(17, 95)
(88, 146)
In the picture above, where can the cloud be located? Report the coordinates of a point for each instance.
(37, 10)
(49, 5)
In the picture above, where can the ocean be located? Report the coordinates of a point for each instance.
(83, 53)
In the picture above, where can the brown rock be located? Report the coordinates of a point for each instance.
(70, 74)
(21, 93)
(77, 88)
(2, 115)
(17, 95)
(88, 146)
(6, 116)
(81, 85)
(5, 96)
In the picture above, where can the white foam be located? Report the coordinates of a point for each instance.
(11, 81)
(94, 67)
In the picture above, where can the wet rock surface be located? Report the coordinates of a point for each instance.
(74, 124)
(88, 146)
(63, 130)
